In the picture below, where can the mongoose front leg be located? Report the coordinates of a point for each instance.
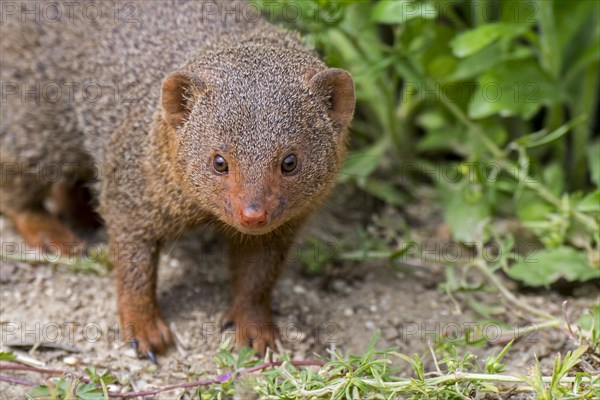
(255, 263)
(141, 320)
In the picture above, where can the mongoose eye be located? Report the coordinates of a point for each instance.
(289, 164)
(220, 165)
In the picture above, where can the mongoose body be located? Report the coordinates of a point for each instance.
(176, 114)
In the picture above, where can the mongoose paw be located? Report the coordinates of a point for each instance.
(150, 354)
(148, 335)
(40, 229)
(252, 329)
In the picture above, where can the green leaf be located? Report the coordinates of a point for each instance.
(434, 54)
(449, 137)
(590, 203)
(547, 266)
(542, 137)
(472, 41)
(41, 391)
(401, 11)
(486, 59)
(590, 320)
(465, 211)
(514, 88)
(361, 164)
(385, 191)
(494, 131)
(548, 38)
(579, 43)
(89, 391)
(226, 357)
(432, 119)
(531, 208)
(554, 177)
(7, 356)
(588, 56)
(593, 154)
(441, 66)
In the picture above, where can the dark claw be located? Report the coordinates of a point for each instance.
(152, 357)
(227, 325)
(134, 344)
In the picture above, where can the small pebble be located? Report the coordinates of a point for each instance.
(339, 286)
(348, 312)
(369, 325)
(113, 388)
(135, 367)
(299, 289)
(71, 360)
(131, 353)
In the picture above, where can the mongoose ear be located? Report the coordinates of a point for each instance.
(338, 87)
(176, 97)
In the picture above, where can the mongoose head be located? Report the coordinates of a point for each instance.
(259, 135)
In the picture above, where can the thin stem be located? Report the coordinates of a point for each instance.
(14, 367)
(218, 380)
(17, 381)
(508, 335)
(479, 264)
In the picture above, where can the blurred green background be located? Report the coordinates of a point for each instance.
(493, 103)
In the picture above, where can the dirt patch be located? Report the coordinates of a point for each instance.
(340, 309)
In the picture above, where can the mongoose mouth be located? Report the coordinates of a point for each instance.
(256, 231)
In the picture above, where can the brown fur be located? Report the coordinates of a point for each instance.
(199, 84)
(45, 231)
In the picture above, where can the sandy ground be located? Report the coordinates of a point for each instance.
(339, 309)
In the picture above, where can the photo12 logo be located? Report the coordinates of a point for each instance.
(469, 332)
(69, 332)
(69, 92)
(53, 12)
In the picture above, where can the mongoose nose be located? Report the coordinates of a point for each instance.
(253, 217)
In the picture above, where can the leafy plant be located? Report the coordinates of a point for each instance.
(493, 101)
(70, 387)
(590, 326)
(376, 374)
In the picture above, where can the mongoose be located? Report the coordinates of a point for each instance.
(175, 113)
